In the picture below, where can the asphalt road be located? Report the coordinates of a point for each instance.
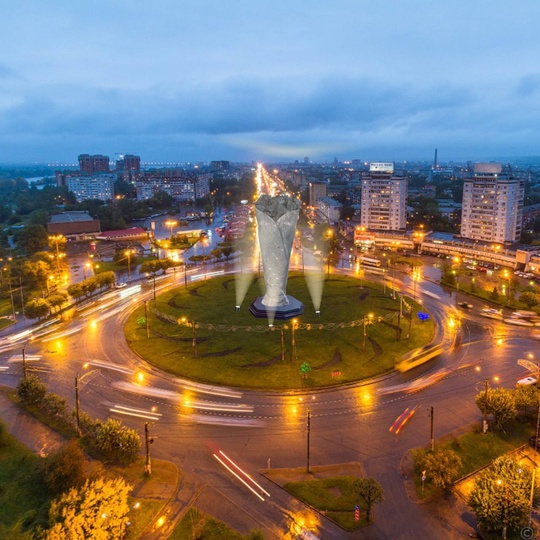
(192, 424)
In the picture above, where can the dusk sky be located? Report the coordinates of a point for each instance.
(242, 80)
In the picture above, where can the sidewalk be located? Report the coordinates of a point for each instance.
(41, 439)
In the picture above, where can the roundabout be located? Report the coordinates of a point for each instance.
(361, 331)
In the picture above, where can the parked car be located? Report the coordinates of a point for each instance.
(465, 305)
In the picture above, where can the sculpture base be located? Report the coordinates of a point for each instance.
(293, 309)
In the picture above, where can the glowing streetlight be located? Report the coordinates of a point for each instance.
(370, 317)
(128, 253)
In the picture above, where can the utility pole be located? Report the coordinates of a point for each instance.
(77, 406)
(148, 441)
(24, 362)
(484, 424)
(282, 346)
(432, 431)
(308, 469)
(146, 318)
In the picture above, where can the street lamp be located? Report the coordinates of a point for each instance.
(171, 223)
(128, 253)
(79, 379)
(370, 316)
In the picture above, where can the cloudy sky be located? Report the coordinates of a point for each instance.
(195, 80)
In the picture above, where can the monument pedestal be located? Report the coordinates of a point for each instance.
(293, 309)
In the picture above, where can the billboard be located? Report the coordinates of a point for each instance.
(381, 167)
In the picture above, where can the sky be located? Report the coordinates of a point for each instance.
(275, 81)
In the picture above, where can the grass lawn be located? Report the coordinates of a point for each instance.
(23, 497)
(235, 348)
(198, 525)
(334, 496)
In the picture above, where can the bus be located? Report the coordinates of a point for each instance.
(417, 357)
(368, 261)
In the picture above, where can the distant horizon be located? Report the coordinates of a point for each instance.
(527, 159)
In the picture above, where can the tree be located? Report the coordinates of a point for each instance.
(64, 469)
(118, 443)
(442, 466)
(371, 492)
(32, 238)
(58, 299)
(96, 511)
(499, 402)
(216, 253)
(37, 308)
(31, 389)
(530, 299)
(500, 497)
(76, 291)
(526, 397)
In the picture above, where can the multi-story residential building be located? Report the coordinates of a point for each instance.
(316, 191)
(93, 164)
(384, 197)
(128, 163)
(98, 186)
(330, 209)
(492, 204)
(178, 184)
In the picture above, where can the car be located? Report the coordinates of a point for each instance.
(465, 305)
(119, 285)
(527, 381)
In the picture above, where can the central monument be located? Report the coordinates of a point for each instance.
(276, 225)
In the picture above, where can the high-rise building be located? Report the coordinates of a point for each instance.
(316, 191)
(93, 164)
(492, 204)
(128, 163)
(384, 199)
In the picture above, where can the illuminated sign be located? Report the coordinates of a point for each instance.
(381, 167)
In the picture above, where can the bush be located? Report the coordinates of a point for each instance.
(118, 443)
(31, 390)
(64, 469)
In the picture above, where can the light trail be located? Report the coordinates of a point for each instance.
(139, 413)
(239, 478)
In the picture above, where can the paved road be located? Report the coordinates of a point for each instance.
(349, 424)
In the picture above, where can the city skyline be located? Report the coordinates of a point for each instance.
(279, 82)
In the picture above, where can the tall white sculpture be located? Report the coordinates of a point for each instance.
(276, 224)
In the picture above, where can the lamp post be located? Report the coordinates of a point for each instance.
(171, 223)
(128, 253)
(79, 380)
(56, 238)
(293, 340)
(364, 336)
(484, 422)
(24, 360)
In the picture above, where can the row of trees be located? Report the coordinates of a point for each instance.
(89, 286)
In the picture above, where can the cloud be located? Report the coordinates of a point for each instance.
(278, 117)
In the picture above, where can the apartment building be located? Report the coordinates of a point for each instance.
(384, 198)
(492, 204)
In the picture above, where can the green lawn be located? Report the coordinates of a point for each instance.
(23, 497)
(235, 348)
(198, 525)
(334, 496)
